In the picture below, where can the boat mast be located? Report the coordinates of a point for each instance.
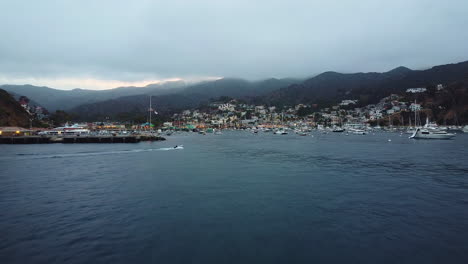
(150, 110)
(415, 115)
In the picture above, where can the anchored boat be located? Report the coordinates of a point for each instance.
(431, 134)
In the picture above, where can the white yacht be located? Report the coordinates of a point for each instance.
(423, 133)
(465, 129)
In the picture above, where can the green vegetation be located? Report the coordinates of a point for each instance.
(11, 112)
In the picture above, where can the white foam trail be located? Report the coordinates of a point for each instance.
(66, 155)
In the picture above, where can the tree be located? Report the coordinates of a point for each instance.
(60, 117)
(304, 111)
(248, 114)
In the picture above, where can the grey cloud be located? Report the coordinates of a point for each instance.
(130, 40)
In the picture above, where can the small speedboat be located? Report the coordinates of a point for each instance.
(338, 129)
(358, 131)
(281, 132)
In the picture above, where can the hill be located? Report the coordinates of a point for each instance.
(190, 97)
(134, 108)
(324, 89)
(54, 99)
(367, 87)
(11, 112)
(234, 87)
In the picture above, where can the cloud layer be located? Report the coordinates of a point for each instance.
(141, 40)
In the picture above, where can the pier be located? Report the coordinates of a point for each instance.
(78, 139)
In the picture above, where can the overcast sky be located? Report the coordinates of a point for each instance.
(101, 44)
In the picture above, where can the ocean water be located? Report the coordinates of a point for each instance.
(237, 198)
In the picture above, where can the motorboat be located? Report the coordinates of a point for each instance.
(338, 129)
(357, 131)
(281, 132)
(422, 133)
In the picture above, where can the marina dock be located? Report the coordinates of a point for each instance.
(78, 139)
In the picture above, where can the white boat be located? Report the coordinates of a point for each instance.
(433, 125)
(338, 129)
(281, 132)
(422, 133)
(465, 129)
(358, 131)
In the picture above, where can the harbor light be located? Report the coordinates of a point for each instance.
(17, 132)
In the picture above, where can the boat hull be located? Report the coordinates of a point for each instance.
(421, 134)
(448, 136)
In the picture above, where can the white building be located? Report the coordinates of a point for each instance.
(348, 102)
(415, 107)
(226, 107)
(416, 90)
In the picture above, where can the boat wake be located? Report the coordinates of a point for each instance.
(83, 154)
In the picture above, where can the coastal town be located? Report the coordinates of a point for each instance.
(394, 112)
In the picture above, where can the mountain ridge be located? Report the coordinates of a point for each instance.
(335, 86)
(321, 89)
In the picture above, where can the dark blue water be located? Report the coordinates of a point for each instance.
(237, 198)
